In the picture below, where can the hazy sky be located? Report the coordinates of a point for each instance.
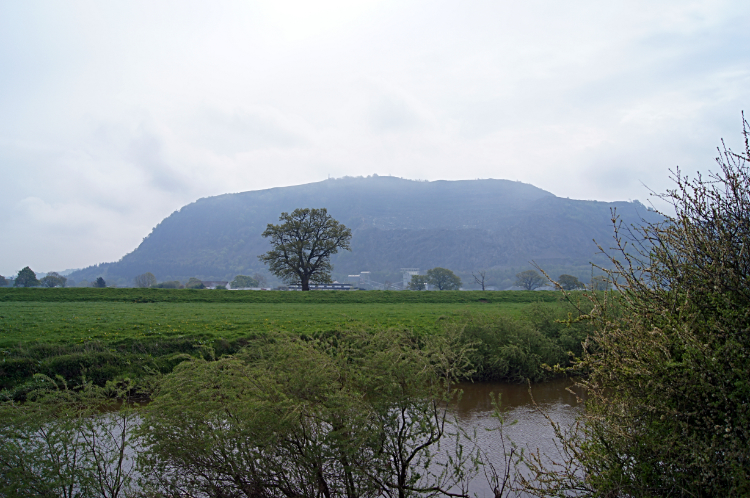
(115, 114)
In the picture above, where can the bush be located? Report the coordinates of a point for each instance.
(668, 410)
(194, 283)
(508, 349)
(174, 284)
(355, 414)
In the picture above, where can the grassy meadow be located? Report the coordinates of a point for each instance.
(108, 334)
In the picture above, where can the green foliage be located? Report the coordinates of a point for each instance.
(53, 279)
(569, 282)
(145, 280)
(516, 349)
(244, 282)
(173, 284)
(668, 410)
(443, 279)
(100, 283)
(26, 278)
(303, 245)
(194, 283)
(4, 281)
(418, 282)
(529, 280)
(345, 415)
(147, 331)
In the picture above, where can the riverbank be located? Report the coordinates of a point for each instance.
(104, 335)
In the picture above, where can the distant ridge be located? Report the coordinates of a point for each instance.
(462, 225)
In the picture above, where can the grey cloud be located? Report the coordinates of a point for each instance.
(240, 131)
(146, 152)
(391, 113)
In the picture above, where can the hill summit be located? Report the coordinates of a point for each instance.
(461, 225)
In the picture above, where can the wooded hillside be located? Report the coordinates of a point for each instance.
(461, 225)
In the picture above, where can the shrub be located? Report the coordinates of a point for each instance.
(668, 410)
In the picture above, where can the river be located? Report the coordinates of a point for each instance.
(531, 429)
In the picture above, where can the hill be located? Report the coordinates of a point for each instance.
(499, 225)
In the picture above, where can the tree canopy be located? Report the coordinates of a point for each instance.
(99, 282)
(303, 245)
(194, 283)
(145, 280)
(418, 282)
(243, 281)
(3, 281)
(443, 279)
(529, 280)
(53, 279)
(569, 282)
(27, 278)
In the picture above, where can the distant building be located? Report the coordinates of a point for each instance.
(408, 272)
(333, 286)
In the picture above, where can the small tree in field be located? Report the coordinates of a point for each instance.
(26, 278)
(145, 280)
(53, 279)
(194, 283)
(99, 282)
(480, 277)
(303, 245)
(243, 281)
(529, 280)
(443, 279)
(569, 282)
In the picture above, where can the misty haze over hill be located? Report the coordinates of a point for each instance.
(465, 226)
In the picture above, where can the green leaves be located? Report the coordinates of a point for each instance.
(443, 279)
(303, 246)
(350, 414)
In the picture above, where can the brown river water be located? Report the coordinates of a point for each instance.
(525, 425)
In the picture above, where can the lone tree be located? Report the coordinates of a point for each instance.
(529, 280)
(443, 279)
(99, 282)
(303, 245)
(479, 277)
(569, 282)
(26, 278)
(53, 279)
(145, 280)
(3, 281)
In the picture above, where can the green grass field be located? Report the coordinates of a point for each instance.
(70, 316)
(110, 333)
(112, 322)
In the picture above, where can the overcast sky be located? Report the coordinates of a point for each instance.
(115, 114)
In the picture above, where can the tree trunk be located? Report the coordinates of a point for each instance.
(305, 283)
